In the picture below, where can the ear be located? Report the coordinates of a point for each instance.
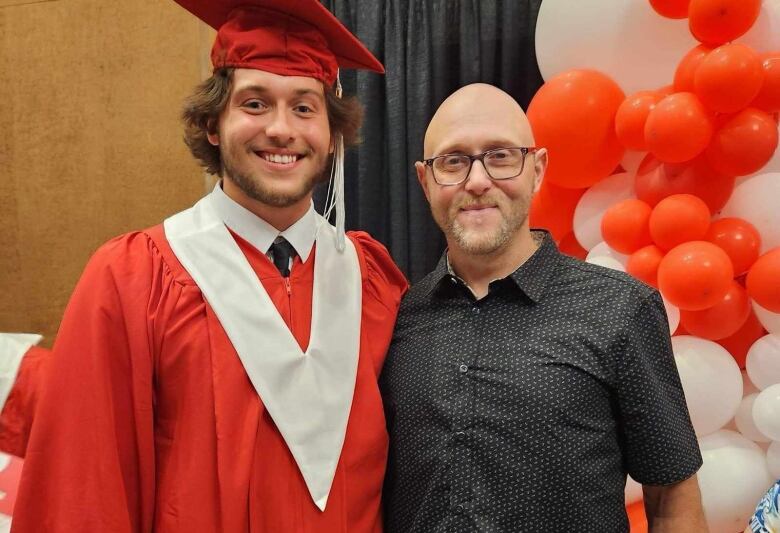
(212, 134)
(540, 167)
(420, 167)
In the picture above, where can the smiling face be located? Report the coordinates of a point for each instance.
(274, 137)
(480, 216)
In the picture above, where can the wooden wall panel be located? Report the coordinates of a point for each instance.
(90, 138)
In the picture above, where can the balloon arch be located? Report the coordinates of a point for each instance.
(661, 121)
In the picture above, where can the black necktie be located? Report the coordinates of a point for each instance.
(282, 251)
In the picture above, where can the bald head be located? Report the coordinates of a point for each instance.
(477, 114)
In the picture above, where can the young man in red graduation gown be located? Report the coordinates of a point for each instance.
(218, 372)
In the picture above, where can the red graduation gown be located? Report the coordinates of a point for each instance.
(148, 421)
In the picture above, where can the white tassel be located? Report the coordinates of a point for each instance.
(335, 196)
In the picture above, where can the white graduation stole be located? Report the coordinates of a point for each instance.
(308, 394)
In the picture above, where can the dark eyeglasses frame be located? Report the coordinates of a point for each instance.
(481, 158)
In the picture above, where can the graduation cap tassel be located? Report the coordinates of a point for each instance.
(335, 196)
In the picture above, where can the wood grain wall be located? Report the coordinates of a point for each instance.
(90, 138)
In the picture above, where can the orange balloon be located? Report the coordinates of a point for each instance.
(677, 219)
(678, 128)
(763, 280)
(655, 181)
(553, 207)
(744, 143)
(716, 22)
(631, 117)
(722, 319)
(573, 116)
(673, 9)
(768, 98)
(636, 517)
(740, 342)
(569, 245)
(624, 226)
(729, 78)
(695, 275)
(643, 264)
(687, 67)
(739, 239)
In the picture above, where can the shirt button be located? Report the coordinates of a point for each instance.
(463, 368)
(460, 435)
(460, 508)
(475, 310)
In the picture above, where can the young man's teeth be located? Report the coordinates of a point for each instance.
(280, 158)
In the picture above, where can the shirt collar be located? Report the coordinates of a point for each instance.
(260, 233)
(532, 277)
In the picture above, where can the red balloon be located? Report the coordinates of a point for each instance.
(632, 116)
(673, 9)
(744, 143)
(636, 517)
(655, 181)
(678, 128)
(729, 78)
(722, 319)
(715, 22)
(763, 280)
(643, 264)
(677, 219)
(687, 67)
(739, 239)
(573, 115)
(695, 275)
(624, 226)
(768, 98)
(569, 245)
(740, 342)
(553, 207)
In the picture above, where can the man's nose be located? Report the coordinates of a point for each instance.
(280, 127)
(478, 181)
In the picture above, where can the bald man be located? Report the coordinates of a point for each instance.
(523, 385)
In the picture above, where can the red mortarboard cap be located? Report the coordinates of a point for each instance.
(286, 37)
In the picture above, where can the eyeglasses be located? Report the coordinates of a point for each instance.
(499, 163)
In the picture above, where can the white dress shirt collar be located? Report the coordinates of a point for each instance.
(260, 233)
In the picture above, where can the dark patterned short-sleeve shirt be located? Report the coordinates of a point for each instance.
(524, 410)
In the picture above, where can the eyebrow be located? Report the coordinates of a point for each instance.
(490, 145)
(261, 89)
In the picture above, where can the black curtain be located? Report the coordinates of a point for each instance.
(429, 48)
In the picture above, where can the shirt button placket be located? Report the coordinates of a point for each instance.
(464, 406)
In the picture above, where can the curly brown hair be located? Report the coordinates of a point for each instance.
(203, 107)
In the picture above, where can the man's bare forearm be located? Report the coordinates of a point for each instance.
(675, 508)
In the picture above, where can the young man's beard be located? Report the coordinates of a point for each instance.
(258, 189)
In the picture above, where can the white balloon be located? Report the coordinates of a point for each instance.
(755, 200)
(628, 41)
(768, 319)
(711, 381)
(773, 459)
(766, 412)
(764, 35)
(608, 262)
(763, 361)
(744, 420)
(632, 160)
(633, 491)
(603, 249)
(672, 315)
(732, 480)
(596, 200)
